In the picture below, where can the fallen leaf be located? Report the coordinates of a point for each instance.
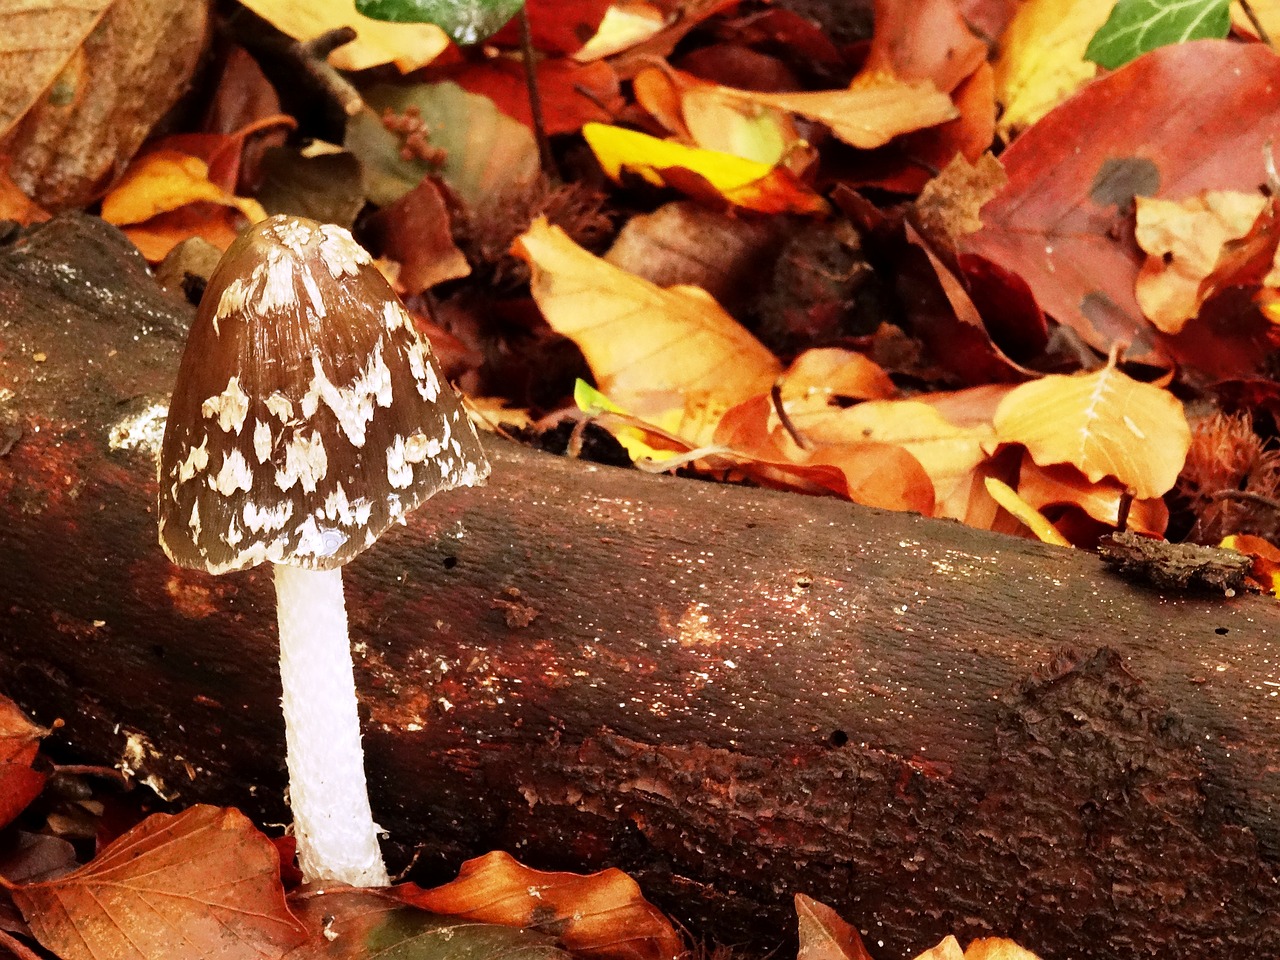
(556, 26)
(416, 232)
(1033, 519)
(1063, 221)
(996, 948)
(39, 40)
(482, 154)
(16, 205)
(466, 22)
(924, 40)
(949, 205)
(948, 949)
(19, 744)
(640, 339)
(163, 181)
(824, 934)
(1041, 60)
(1105, 424)
(1062, 485)
(346, 924)
(132, 67)
(1185, 243)
(1266, 559)
(156, 238)
(624, 26)
(407, 45)
(571, 94)
(874, 109)
(836, 376)
(743, 183)
(600, 915)
(205, 880)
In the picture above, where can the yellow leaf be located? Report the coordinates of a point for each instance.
(730, 125)
(407, 45)
(1041, 60)
(1036, 521)
(873, 110)
(624, 26)
(833, 374)
(1062, 484)
(1106, 424)
(996, 948)
(651, 350)
(163, 181)
(1185, 242)
(744, 183)
(948, 949)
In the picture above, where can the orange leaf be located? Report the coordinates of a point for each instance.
(1061, 484)
(19, 743)
(1185, 243)
(1105, 424)
(835, 373)
(948, 949)
(1035, 521)
(1266, 559)
(157, 236)
(600, 915)
(161, 182)
(640, 339)
(995, 948)
(874, 109)
(925, 40)
(743, 183)
(16, 205)
(203, 883)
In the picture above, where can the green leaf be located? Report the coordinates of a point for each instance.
(592, 401)
(485, 155)
(466, 21)
(1137, 26)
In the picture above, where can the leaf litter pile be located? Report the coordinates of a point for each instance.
(1016, 264)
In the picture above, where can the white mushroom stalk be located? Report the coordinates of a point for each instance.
(307, 418)
(337, 838)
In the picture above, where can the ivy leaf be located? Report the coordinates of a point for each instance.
(1137, 26)
(466, 21)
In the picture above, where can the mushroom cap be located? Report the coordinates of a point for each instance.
(308, 414)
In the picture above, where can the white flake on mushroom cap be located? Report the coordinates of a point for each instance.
(300, 336)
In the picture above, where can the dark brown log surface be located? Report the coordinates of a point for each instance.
(735, 695)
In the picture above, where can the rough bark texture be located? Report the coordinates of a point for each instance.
(734, 695)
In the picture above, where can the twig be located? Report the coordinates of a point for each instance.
(312, 56)
(1271, 503)
(1122, 511)
(17, 947)
(775, 394)
(89, 770)
(1247, 7)
(535, 98)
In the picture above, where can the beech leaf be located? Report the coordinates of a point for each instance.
(201, 883)
(19, 743)
(824, 935)
(599, 915)
(1105, 424)
(643, 341)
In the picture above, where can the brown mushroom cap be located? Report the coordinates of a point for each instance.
(308, 414)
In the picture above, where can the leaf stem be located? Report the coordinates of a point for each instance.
(1265, 37)
(535, 98)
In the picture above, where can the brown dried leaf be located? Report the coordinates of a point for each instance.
(416, 231)
(130, 70)
(824, 935)
(948, 205)
(600, 915)
(202, 883)
(1106, 424)
(39, 40)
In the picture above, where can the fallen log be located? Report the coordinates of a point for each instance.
(735, 695)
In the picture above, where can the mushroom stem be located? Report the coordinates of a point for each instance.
(337, 838)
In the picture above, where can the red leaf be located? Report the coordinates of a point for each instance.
(19, 743)
(571, 94)
(1179, 120)
(203, 883)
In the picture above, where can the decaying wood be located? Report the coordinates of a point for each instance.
(735, 695)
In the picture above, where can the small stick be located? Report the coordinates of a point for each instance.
(1271, 503)
(1122, 511)
(1247, 7)
(535, 98)
(313, 57)
(775, 394)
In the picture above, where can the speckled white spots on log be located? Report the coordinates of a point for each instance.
(230, 407)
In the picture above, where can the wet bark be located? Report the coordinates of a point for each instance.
(735, 695)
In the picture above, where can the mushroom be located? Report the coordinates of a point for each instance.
(307, 417)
